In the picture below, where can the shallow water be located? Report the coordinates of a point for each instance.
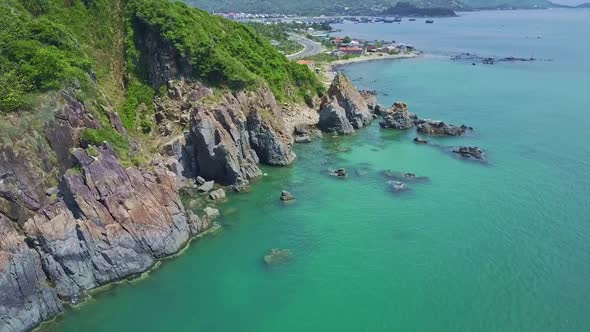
(503, 246)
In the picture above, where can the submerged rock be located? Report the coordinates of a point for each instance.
(440, 128)
(400, 176)
(397, 186)
(420, 140)
(286, 196)
(398, 117)
(341, 173)
(468, 152)
(277, 256)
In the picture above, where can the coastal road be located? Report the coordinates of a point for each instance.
(309, 48)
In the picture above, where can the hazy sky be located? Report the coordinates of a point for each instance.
(570, 2)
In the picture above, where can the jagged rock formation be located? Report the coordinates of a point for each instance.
(27, 297)
(333, 118)
(398, 117)
(350, 99)
(228, 136)
(440, 128)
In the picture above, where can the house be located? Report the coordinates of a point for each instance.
(351, 50)
(372, 48)
(310, 64)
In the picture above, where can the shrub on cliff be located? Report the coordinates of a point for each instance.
(223, 52)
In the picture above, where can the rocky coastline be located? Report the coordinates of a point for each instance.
(99, 220)
(96, 219)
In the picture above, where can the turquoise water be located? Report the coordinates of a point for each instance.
(503, 246)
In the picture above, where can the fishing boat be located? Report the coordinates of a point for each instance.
(429, 21)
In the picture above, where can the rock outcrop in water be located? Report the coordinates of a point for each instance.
(350, 99)
(468, 152)
(398, 117)
(333, 118)
(440, 128)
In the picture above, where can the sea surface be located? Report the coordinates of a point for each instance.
(501, 246)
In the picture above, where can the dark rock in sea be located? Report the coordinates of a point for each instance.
(341, 172)
(197, 224)
(333, 118)
(398, 117)
(440, 128)
(468, 152)
(397, 186)
(408, 177)
(217, 195)
(302, 139)
(303, 130)
(286, 196)
(420, 140)
(277, 256)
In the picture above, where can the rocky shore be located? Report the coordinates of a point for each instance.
(97, 219)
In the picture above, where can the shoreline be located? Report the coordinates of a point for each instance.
(331, 68)
(90, 296)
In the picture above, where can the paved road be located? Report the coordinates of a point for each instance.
(309, 48)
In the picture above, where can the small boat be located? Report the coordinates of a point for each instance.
(429, 21)
(412, 19)
(397, 19)
(387, 21)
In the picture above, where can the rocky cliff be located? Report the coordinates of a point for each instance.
(344, 108)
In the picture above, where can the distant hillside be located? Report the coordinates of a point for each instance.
(368, 7)
(408, 10)
(584, 5)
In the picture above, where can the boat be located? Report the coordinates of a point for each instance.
(412, 19)
(385, 20)
(397, 19)
(429, 21)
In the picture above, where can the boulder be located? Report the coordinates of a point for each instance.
(197, 225)
(398, 117)
(472, 153)
(303, 139)
(211, 213)
(200, 181)
(286, 196)
(207, 186)
(333, 118)
(277, 256)
(217, 195)
(370, 97)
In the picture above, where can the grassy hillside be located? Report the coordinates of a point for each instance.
(46, 45)
(315, 7)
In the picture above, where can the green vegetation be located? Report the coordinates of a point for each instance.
(36, 54)
(96, 137)
(138, 107)
(91, 46)
(223, 53)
